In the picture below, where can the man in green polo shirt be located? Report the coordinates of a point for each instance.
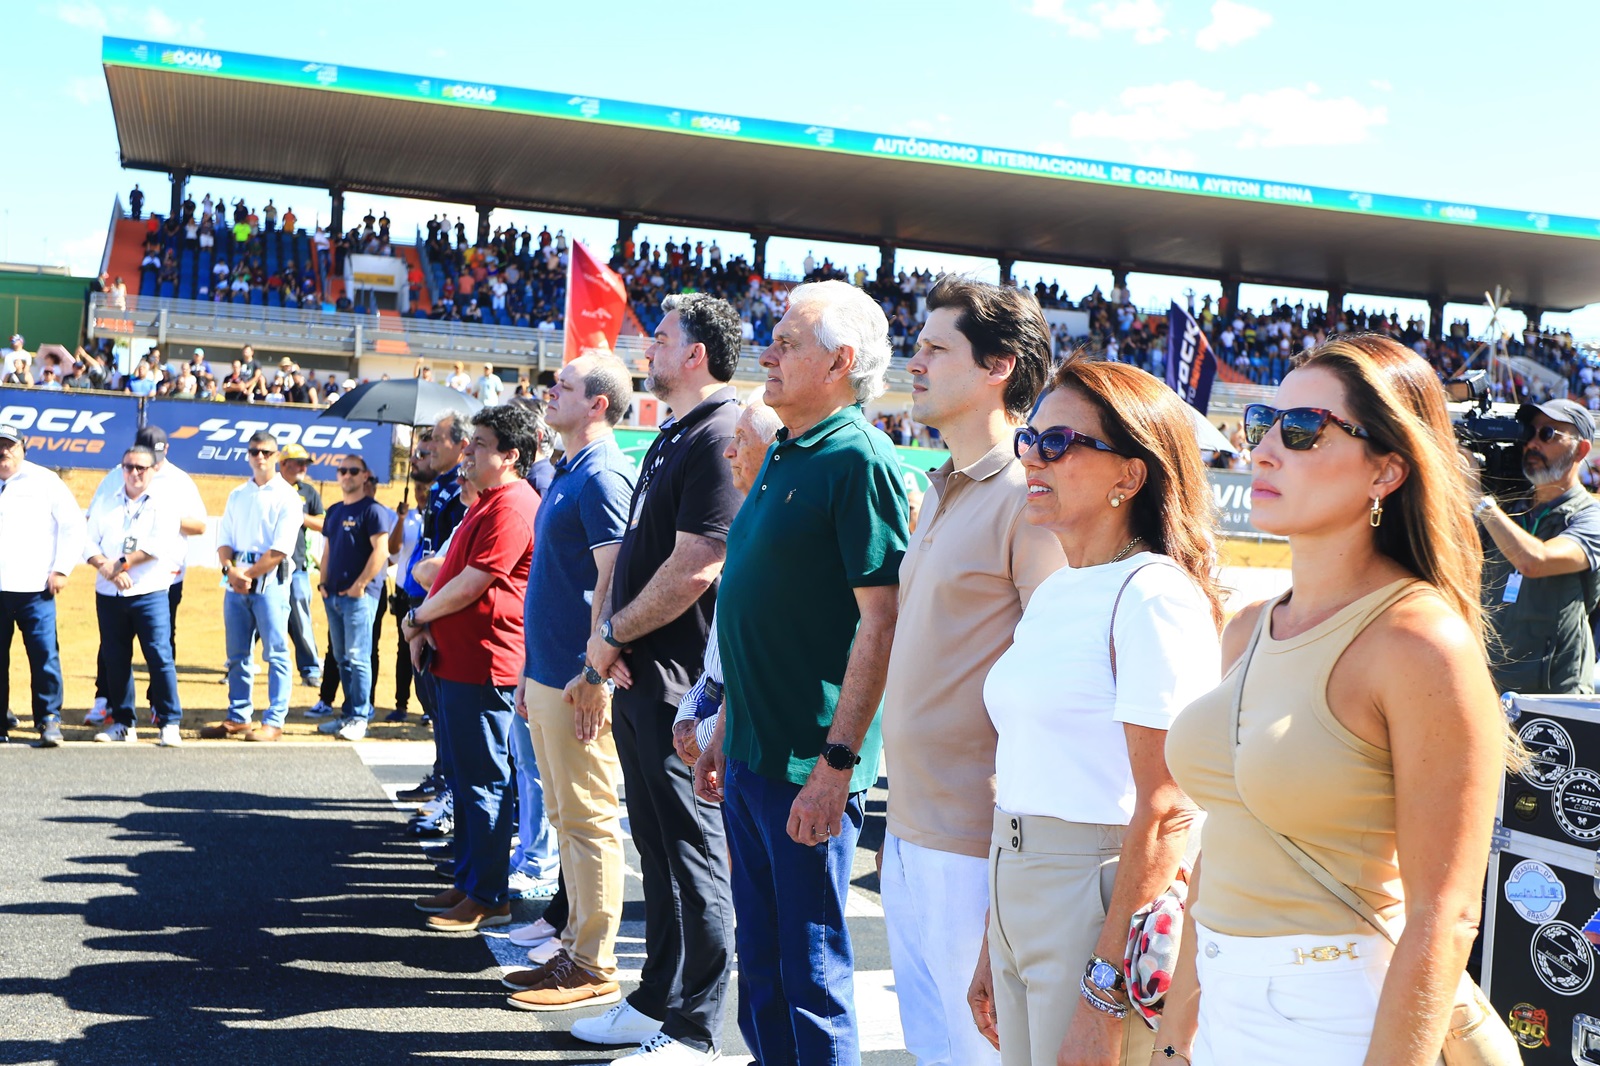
(806, 617)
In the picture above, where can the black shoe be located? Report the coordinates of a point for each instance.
(12, 721)
(427, 789)
(395, 716)
(50, 733)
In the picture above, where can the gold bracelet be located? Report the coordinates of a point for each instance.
(1169, 1052)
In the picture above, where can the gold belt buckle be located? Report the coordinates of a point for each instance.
(1325, 953)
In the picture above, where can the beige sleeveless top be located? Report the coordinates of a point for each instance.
(1307, 776)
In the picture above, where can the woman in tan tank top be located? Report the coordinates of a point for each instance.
(1368, 734)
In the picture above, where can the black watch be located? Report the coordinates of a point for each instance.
(840, 757)
(605, 633)
(593, 676)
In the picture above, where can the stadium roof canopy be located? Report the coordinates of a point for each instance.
(233, 115)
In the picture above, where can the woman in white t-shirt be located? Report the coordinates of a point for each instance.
(1089, 825)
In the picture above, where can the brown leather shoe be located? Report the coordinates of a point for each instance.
(224, 730)
(264, 733)
(567, 986)
(442, 902)
(468, 916)
(517, 980)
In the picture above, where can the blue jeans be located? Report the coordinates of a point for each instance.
(474, 724)
(796, 965)
(536, 853)
(34, 614)
(148, 617)
(246, 616)
(350, 634)
(302, 633)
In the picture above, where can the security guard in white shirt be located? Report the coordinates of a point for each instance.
(254, 542)
(133, 539)
(42, 529)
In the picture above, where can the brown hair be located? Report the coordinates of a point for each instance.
(1175, 512)
(1397, 398)
(1000, 321)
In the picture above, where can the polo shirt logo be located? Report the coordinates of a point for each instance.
(789, 497)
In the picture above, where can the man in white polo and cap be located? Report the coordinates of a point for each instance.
(42, 529)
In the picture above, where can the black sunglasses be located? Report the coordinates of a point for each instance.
(261, 452)
(1301, 425)
(1054, 442)
(132, 467)
(1546, 434)
(350, 471)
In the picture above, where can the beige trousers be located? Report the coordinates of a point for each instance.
(1049, 884)
(580, 799)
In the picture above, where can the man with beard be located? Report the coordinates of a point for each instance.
(1541, 554)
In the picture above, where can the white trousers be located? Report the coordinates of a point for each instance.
(934, 903)
(1262, 1003)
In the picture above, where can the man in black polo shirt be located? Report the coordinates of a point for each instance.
(652, 640)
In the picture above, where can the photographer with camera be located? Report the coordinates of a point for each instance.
(1541, 572)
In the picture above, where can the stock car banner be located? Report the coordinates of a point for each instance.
(211, 438)
(1191, 364)
(596, 301)
(68, 428)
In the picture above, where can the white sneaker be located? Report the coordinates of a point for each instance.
(170, 737)
(354, 729)
(662, 1050)
(332, 725)
(528, 936)
(619, 1025)
(99, 713)
(520, 886)
(117, 733)
(543, 952)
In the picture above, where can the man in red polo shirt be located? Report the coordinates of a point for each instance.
(470, 625)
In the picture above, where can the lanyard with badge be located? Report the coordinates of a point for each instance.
(1514, 581)
(130, 543)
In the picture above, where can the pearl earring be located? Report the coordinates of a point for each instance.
(1116, 501)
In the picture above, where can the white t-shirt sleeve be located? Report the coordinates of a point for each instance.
(1168, 650)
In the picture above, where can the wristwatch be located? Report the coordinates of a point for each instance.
(1485, 504)
(592, 676)
(227, 568)
(840, 757)
(1104, 974)
(411, 620)
(605, 633)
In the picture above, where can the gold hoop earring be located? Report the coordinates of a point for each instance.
(1377, 512)
(1116, 501)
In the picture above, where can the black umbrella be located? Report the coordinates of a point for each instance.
(401, 402)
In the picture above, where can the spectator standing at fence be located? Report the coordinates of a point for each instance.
(43, 531)
(581, 523)
(820, 539)
(134, 542)
(460, 380)
(971, 566)
(489, 386)
(471, 622)
(663, 593)
(255, 541)
(292, 464)
(136, 202)
(355, 549)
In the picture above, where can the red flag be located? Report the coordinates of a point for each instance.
(596, 302)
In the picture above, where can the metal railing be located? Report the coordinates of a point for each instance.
(338, 333)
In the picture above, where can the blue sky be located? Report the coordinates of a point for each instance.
(1470, 102)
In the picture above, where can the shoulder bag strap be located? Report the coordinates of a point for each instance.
(1340, 890)
(1111, 632)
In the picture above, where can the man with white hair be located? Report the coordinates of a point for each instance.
(806, 617)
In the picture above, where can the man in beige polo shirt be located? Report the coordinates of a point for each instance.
(981, 361)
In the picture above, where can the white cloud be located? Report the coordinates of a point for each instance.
(81, 254)
(1178, 111)
(1231, 23)
(85, 91)
(148, 21)
(1144, 19)
(85, 16)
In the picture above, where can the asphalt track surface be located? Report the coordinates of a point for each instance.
(233, 904)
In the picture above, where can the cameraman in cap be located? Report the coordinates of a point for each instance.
(1541, 566)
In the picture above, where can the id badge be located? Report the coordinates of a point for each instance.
(130, 545)
(1513, 588)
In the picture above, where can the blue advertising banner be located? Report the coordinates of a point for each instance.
(69, 428)
(1191, 364)
(211, 438)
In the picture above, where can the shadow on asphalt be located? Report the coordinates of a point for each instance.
(251, 917)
